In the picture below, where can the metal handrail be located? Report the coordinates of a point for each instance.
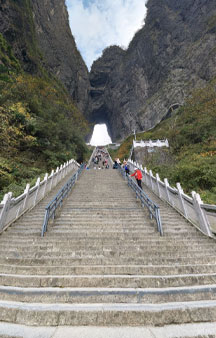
(153, 208)
(57, 201)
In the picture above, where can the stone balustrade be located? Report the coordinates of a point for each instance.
(151, 143)
(203, 216)
(12, 208)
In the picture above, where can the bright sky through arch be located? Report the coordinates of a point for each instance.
(100, 136)
(97, 24)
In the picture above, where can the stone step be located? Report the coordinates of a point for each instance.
(37, 314)
(104, 206)
(99, 226)
(92, 226)
(197, 330)
(114, 248)
(87, 249)
(92, 260)
(109, 269)
(110, 214)
(182, 239)
(106, 230)
(107, 281)
(102, 262)
(98, 236)
(108, 227)
(74, 228)
(100, 256)
(108, 220)
(111, 243)
(134, 242)
(105, 238)
(107, 295)
(186, 238)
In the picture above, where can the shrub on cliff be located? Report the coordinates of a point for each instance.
(40, 127)
(192, 138)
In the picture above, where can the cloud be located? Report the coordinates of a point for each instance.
(97, 24)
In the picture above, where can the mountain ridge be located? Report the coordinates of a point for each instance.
(42, 93)
(171, 55)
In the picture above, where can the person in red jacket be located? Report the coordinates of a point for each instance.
(138, 176)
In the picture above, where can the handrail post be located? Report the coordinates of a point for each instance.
(151, 175)
(203, 221)
(37, 190)
(167, 189)
(51, 177)
(6, 201)
(64, 171)
(26, 191)
(145, 175)
(158, 184)
(60, 173)
(180, 192)
(56, 176)
(45, 184)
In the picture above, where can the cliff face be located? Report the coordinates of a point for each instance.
(17, 27)
(171, 55)
(59, 49)
(40, 35)
(104, 78)
(40, 124)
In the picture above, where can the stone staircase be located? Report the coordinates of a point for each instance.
(103, 263)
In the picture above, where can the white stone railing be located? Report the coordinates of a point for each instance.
(110, 158)
(151, 143)
(203, 216)
(12, 208)
(92, 155)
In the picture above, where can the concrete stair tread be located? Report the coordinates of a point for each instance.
(108, 281)
(103, 262)
(102, 250)
(110, 269)
(198, 330)
(106, 314)
(105, 295)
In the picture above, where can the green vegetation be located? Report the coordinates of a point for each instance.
(8, 62)
(211, 24)
(192, 136)
(40, 127)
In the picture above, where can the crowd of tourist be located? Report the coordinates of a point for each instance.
(101, 161)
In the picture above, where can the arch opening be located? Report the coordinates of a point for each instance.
(100, 136)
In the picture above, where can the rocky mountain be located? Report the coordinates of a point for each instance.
(171, 55)
(43, 91)
(59, 48)
(129, 89)
(40, 35)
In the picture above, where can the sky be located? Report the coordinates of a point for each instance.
(97, 24)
